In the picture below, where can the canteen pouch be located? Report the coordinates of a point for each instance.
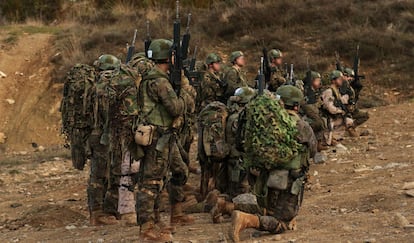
(144, 134)
(297, 186)
(278, 179)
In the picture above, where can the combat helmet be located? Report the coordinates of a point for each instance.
(335, 74)
(244, 94)
(108, 62)
(349, 72)
(315, 75)
(234, 55)
(212, 58)
(290, 95)
(159, 49)
(275, 53)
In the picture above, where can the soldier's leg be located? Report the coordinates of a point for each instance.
(179, 171)
(112, 194)
(360, 117)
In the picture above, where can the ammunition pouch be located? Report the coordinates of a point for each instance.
(144, 134)
(278, 179)
(297, 186)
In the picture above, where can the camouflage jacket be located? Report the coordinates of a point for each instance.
(212, 89)
(158, 103)
(277, 79)
(234, 78)
(332, 102)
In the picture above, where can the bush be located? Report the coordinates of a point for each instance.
(20, 10)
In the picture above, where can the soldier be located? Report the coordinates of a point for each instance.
(98, 178)
(120, 108)
(141, 64)
(347, 91)
(312, 108)
(235, 77)
(334, 108)
(232, 178)
(282, 205)
(160, 111)
(212, 87)
(278, 75)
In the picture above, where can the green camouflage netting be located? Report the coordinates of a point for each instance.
(270, 134)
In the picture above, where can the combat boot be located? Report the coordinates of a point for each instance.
(177, 215)
(352, 132)
(165, 228)
(322, 146)
(129, 219)
(98, 217)
(241, 221)
(221, 208)
(149, 232)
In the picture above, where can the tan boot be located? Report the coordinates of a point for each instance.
(129, 219)
(221, 208)
(352, 132)
(177, 215)
(98, 217)
(151, 233)
(321, 147)
(241, 221)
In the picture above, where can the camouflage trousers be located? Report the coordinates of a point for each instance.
(119, 197)
(281, 209)
(315, 120)
(98, 177)
(232, 178)
(79, 147)
(179, 175)
(359, 117)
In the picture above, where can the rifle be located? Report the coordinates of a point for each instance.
(261, 76)
(266, 66)
(186, 39)
(356, 83)
(147, 41)
(338, 62)
(131, 48)
(286, 71)
(308, 77)
(176, 61)
(291, 80)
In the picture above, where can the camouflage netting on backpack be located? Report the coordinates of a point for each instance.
(270, 134)
(212, 120)
(76, 104)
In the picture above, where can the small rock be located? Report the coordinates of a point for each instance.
(341, 149)
(377, 167)
(40, 149)
(359, 170)
(372, 148)
(375, 210)
(408, 145)
(401, 220)
(343, 210)
(371, 240)
(277, 238)
(2, 75)
(100, 240)
(381, 157)
(409, 226)
(410, 193)
(10, 101)
(50, 200)
(315, 173)
(366, 132)
(3, 138)
(16, 205)
(408, 185)
(320, 158)
(70, 227)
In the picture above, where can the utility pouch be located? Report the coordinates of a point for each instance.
(144, 134)
(297, 186)
(278, 179)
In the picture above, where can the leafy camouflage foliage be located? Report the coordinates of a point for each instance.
(270, 134)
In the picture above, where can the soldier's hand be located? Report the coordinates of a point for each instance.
(255, 171)
(178, 122)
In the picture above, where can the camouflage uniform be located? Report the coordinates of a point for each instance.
(277, 79)
(119, 199)
(212, 89)
(235, 78)
(348, 94)
(283, 205)
(312, 111)
(159, 106)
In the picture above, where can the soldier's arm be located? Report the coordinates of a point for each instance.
(167, 96)
(232, 81)
(307, 136)
(329, 102)
(207, 89)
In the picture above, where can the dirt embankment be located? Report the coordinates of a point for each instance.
(29, 102)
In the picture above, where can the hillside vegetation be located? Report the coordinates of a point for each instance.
(305, 30)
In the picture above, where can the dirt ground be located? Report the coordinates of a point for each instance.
(356, 196)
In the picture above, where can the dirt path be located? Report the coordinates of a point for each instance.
(354, 197)
(28, 100)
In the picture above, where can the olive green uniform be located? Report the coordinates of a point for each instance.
(312, 111)
(159, 106)
(212, 89)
